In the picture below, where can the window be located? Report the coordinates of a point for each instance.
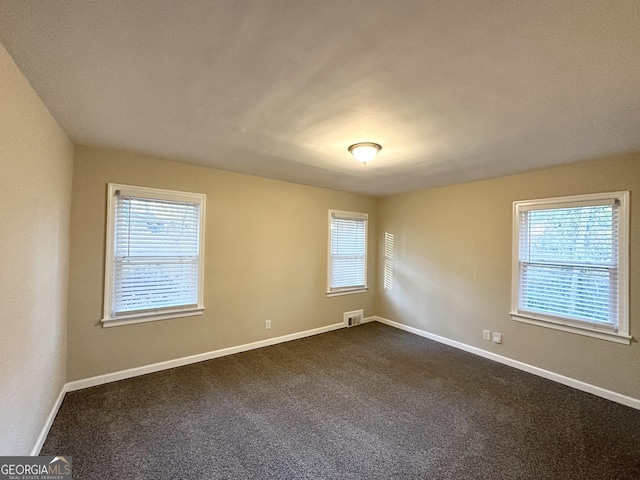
(347, 252)
(154, 256)
(570, 264)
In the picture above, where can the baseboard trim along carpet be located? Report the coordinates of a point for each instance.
(201, 357)
(35, 451)
(178, 362)
(556, 377)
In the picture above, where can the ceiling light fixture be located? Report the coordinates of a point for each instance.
(365, 151)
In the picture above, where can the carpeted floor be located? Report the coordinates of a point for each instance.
(370, 402)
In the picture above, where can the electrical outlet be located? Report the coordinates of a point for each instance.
(486, 335)
(497, 337)
(267, 324)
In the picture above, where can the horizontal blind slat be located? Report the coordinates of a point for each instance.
(568, 262)
(156, 250)
(347, 252)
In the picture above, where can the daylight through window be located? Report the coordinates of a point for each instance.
(570, 262)
(154, 256)
(347, 252)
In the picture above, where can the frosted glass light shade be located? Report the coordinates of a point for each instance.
(364, 152)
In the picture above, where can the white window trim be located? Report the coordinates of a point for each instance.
(348, 290)
(152, 315)
(605, 332)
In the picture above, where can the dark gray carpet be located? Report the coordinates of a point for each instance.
(370, 402)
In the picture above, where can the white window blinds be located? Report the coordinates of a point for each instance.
(156, 252)
(348, 251)
(569, 261)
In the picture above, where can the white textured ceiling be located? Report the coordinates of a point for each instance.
(453, 90)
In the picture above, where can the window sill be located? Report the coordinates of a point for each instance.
(347, 292)
(586, 331)
(150, 317)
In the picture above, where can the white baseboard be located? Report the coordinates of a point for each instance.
(35, 451)
(156, 367)
(556, 377)
(179, 362)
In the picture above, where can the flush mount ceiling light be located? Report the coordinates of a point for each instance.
(365, 151)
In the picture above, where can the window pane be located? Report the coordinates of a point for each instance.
(572, 292)
(143, 283)
(568, 262)
(584, 235)
(156, 254)
(348, 253)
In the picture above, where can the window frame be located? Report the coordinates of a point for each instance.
(354, 216)
(618, 333)
(110, 320)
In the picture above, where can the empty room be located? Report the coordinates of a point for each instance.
(305, 239)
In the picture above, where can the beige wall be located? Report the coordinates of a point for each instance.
(265, 258)
(35, 195)
(453, 269)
